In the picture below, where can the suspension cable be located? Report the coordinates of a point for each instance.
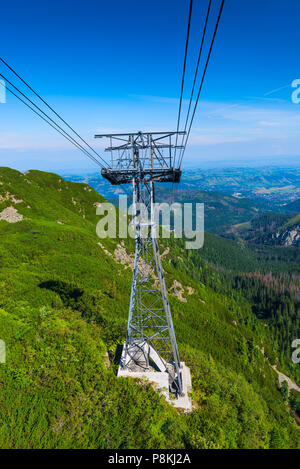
(55, 128)
(46, 115)
(183, 74)
(201, 84)
(48, 105)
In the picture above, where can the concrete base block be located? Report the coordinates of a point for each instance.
(160, 380)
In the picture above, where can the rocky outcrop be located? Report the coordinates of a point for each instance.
(11, 215)
(289, 237)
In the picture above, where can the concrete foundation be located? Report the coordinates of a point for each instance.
(160, 379)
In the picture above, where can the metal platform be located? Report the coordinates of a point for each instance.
(117, 177)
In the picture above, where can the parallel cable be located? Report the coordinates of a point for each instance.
(55, 128)
(46, 115)
(196, 74)
(183, 73)
(48, 105)
(203, 76)
(71, 140)
(54, 125)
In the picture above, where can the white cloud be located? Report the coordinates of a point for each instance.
(269, 124)
(220, 128)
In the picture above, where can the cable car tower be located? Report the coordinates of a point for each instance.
(143, 159)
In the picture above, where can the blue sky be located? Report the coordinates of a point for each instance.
(116, 66)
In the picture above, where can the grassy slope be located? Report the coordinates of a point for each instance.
(64, 302)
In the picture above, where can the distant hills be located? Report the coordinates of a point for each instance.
(221, 211)
(273, 186)
(232, 196)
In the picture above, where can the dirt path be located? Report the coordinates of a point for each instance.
(282, 377)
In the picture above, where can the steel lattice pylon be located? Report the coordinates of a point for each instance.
(142, 159)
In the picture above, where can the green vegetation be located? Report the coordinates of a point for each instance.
(221, 211)
(64, 304)
(270, 229)
(293, 207)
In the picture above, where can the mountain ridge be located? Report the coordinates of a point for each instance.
(271, 229)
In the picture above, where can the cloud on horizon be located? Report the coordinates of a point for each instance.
(220, 129)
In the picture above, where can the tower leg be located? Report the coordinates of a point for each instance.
(150, 328)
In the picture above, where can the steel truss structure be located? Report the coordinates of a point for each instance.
(142, 159)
